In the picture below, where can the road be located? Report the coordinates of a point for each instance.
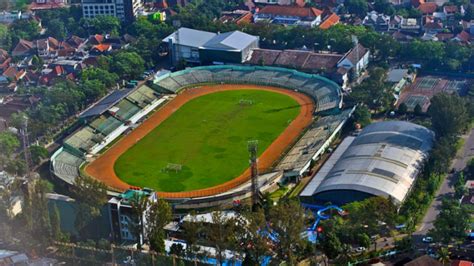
(447, 188)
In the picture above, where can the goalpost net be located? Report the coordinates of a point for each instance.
(172, 167)
(245, 102)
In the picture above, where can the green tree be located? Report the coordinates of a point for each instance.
(331, 245)
(93, 89)
(451, 223)
(402, 109)
(105, 25)
(362, 115)
(191, 232)
(127, 64)
(8, 144)
(443, 254)
(95, 73)
(55, 219)
(158, 216)
(460, 189)
(24, 29)
(38, 153)
(139, 204)
(5, 37)
(40, 212)
(448, 114)
(221, 233)
(91, 196)
(288, 221)
(357, 7)
(255, 244)
(418, 110)
(56, 29)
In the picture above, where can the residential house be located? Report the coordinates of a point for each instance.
(329, 19)
(424, 260)
(281, 2)
(290, 15)
(195, 46)
(427, 8)
(411, 25)
(47, 48)
(47, 4)
(103, 48)
(4, 60)
(432, 25)
(8, 17)
(236, 17)
(355, 60)
(450, 10)
(23, 48)
(376, 21)
(463, 37)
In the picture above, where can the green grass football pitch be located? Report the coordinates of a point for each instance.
(207, 138)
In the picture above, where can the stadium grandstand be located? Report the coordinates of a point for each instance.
(313, 143)
(120, 110)
(104, 122)
(325, 93)
(383, 160)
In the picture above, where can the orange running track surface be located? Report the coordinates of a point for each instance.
(103, 167)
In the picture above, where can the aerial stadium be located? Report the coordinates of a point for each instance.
(186, 135)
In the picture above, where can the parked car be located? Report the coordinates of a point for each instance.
(427, 239)
(360, 249)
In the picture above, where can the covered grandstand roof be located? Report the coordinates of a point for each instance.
(382, 161)
(234, 40)
(107, 102)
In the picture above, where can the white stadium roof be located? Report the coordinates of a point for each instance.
(383, 161)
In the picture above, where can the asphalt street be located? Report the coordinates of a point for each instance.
(447, 188)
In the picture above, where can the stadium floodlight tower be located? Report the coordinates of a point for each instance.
(252, 148)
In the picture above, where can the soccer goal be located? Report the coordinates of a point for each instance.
(172, 167)
(245, 102)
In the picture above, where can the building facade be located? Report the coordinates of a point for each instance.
(125, 10)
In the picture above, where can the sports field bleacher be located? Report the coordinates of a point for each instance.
(83, 139)
(105, 124)
(326, 93)
(143, 96)
(66, 165)
(126, 109)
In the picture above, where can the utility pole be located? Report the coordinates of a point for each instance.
(252, 148)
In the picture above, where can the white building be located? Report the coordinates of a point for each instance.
(125, 10)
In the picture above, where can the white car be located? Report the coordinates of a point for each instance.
(360, 249)
(427, 239)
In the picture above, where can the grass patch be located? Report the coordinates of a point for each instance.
(279, 193)
(207, 137)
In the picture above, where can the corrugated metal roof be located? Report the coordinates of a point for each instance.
(190, 37)
(383, 160)
(234, 40)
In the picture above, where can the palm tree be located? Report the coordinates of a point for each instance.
(443, 254)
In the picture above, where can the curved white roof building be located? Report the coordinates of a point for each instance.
(383, 160)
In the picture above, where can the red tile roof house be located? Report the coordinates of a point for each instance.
(329, 20)
(47, 48)
(463, 37)
(289, 15)
(23, 48)
(427, 8)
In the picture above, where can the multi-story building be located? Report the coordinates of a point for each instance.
(125, 10)
(122, 217)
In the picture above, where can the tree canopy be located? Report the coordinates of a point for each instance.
(449, 114)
